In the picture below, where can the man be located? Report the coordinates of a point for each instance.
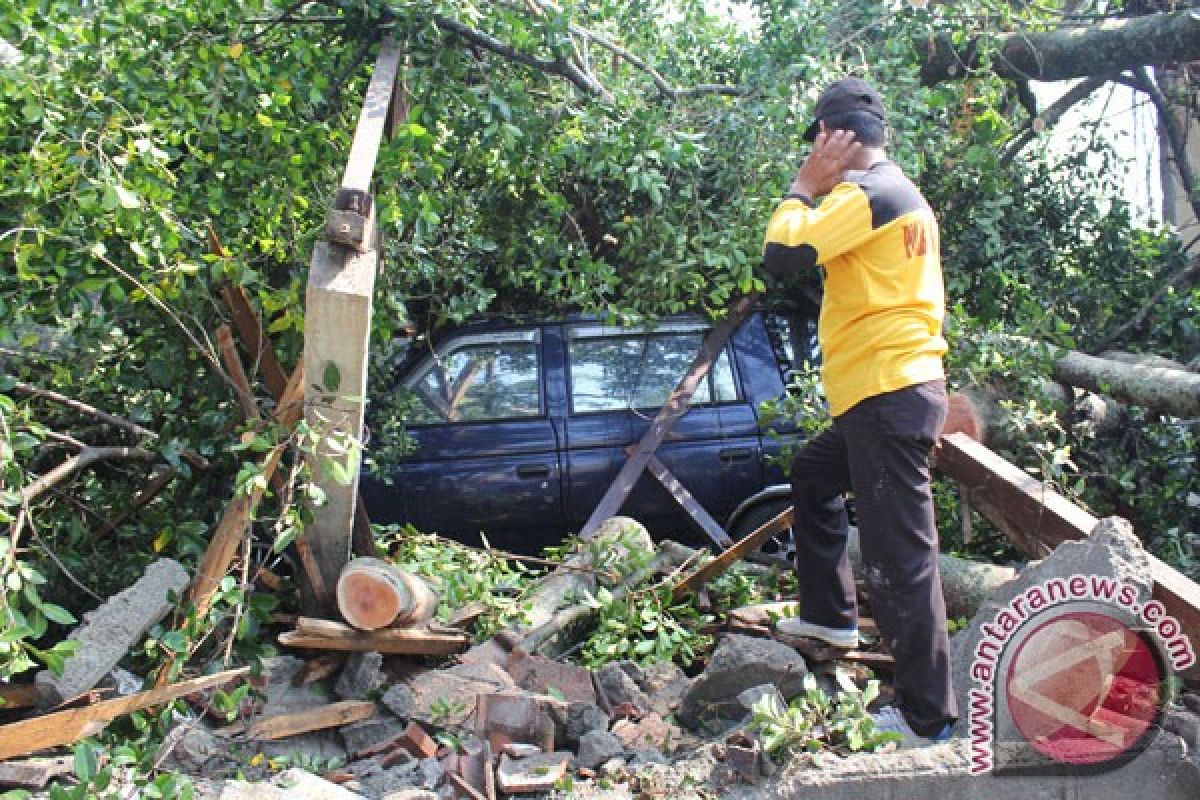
(880, 336)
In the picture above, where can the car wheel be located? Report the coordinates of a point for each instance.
(780, 549)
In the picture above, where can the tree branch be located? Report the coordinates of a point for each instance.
(1184, 278)
(195, 459)
(84, 459)
(1051, 115)
(1143, 82)
(1108, 47)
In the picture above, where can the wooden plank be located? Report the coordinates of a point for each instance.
(351, 221)
(336, 339)
(1038, 519)
(710, 526)
(65, 727)
(664, 420)
(230, 530)
(281, 726)
(739, 551)
(328, 635)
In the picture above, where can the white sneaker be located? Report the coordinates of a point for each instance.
(844, 638)
(889, 719)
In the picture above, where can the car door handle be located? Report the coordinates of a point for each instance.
(735, 454)
(533, 471)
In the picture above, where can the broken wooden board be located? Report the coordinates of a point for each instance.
(664, 420)
(66, 727)
(327, 635)
(724, 561)
(1038, 519)
(818, 652)
(688, 502)
(281, 726)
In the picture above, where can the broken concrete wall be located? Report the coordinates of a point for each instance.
(110, 631)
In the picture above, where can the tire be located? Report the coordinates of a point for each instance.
(780, 549)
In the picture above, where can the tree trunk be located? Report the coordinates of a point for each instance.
(1108, 47)
(1171, 391)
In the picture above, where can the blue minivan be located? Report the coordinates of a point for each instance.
(520, 428)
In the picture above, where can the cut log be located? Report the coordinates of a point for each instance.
(65, 727)
(281, 726)
(1038, 519)
(372, 594)
(327, 635)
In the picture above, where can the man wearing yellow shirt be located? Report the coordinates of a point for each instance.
(880, 333)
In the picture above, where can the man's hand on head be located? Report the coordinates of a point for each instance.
(832, 154)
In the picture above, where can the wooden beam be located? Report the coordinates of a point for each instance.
(229, 531)
(350, 221)
(725, 560)
(281, 726)
(337, 330)
(664, 420)
(1038, 519)
(328, 635)
(256, 342)
(684, 498)
(66, 727)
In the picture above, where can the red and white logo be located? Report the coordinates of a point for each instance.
(1083, 688)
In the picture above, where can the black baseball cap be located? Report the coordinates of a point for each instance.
(846, 94)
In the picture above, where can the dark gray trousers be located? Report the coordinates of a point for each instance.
(879, 450)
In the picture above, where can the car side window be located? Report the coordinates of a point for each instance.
(610, 372)
(474, 381)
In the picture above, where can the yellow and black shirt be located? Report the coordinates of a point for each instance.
(881, 317)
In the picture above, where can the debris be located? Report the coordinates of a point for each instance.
(819, 652)
(533, 774)
(597, 747)
(328, 635)
(475, 763)
(583, 718)
(618, 687)
(417, 742)
(372, 594)
(400, 700)
(360, 676)
(514, 716)
(192, 748)
(281, 726)
(664, 684)
(293, 784)
(412, 794)
(318, 669)
(446, 700)
(371, 736)
(739, 663)
(65, 727)
(464, 787)
(34, 773)
(745, 755)
(541, 674)
(108, 632)
(519, 750)
(651, 731)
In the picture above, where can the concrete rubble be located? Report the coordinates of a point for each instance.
(110, 631)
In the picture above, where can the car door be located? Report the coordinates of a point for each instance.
(486, 453)
(618, 379)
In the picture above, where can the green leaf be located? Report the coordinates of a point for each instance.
(127, 198)
(86, 761)
(58, 614)
(331, 377)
